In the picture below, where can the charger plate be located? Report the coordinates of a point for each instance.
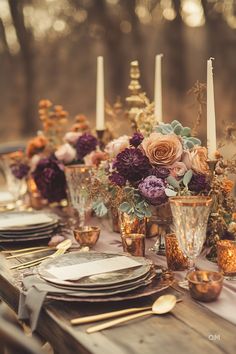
(106, 279)
(157, 285)
(33, 238)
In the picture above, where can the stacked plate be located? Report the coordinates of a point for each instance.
(137, 281)
(25, 226)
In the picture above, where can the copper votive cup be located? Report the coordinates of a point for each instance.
(87, 235)
(226, 258)
(205, 285)
(175, 258)
(134, 244)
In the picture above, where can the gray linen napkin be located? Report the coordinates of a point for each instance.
(33, 296)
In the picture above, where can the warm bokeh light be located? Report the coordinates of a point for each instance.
(192, 13)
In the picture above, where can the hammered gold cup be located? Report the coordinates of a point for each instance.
(87, 236)
(205, 285)
(175, 258)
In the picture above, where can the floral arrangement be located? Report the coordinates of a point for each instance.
(141, 173)
(53, 148)
(167, 162)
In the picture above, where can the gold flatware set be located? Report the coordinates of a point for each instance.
(61, 248)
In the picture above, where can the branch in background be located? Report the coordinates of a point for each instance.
(199, 92)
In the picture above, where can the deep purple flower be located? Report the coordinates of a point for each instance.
(85, 144)
(20, 170)
(132, 164)
(50, 179)
(160, 172)
(199, 183)
(117, 179)
(153, 190)
(136, 139)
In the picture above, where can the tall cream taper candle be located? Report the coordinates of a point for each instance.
(158, 89)
(100, 123)
(211, 120)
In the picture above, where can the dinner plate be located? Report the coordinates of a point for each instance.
(109, 292)
(156, 285)
(26, 232)
(25, 239)
(105, 279)
(25, 220)
(33, 234)
(135, 282)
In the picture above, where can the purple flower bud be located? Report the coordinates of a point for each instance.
(153, 190)
(136, 139)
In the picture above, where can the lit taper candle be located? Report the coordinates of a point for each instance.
(211, 119)
(100, 123)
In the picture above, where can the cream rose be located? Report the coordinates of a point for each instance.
(65, 153)
(199, 160)
(72, 137)
(117, 145)
(162, 150)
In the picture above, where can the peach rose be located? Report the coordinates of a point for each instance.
(95, 158)
(117, 145)
(162, 150)
(178, 169)
(199, 160)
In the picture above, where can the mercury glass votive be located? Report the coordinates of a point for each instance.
(132, 225)
(134, 244)
(87, 236)
(226, 258)
(175, 258)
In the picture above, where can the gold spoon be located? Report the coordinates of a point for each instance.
(163, 304)
(112, 314)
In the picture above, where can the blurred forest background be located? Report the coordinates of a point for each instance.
(48, 49)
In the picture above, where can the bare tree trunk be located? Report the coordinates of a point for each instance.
(25, 40)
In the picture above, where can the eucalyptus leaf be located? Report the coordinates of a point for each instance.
(173, 182)
(186, 131)
(170, 192)
(125, 207)
(175, 122)
(100, 208)
(187, 177)
(178, 129)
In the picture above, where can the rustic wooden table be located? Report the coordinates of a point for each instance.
(190, 328)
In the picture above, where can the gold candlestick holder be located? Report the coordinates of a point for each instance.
(134, 101)
(100, 136)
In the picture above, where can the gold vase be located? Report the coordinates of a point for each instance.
(132, 225)
(115, 219)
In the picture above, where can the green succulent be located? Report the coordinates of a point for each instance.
(177, 128)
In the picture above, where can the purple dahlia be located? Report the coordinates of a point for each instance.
(132, 164)
(85, 144)
(199, 183)
(117, 179)
(20, 170)
(160, 172)
(153, 190)
(50, 179)
(136, 139)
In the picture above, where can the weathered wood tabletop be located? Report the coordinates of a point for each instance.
(190, 328)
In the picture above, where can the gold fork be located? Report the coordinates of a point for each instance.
(62, 247)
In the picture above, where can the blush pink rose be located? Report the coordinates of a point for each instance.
(178, 169)
(117, 145)
(65, 153)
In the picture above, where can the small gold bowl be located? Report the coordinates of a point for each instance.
(87, 235)
(205, 285)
